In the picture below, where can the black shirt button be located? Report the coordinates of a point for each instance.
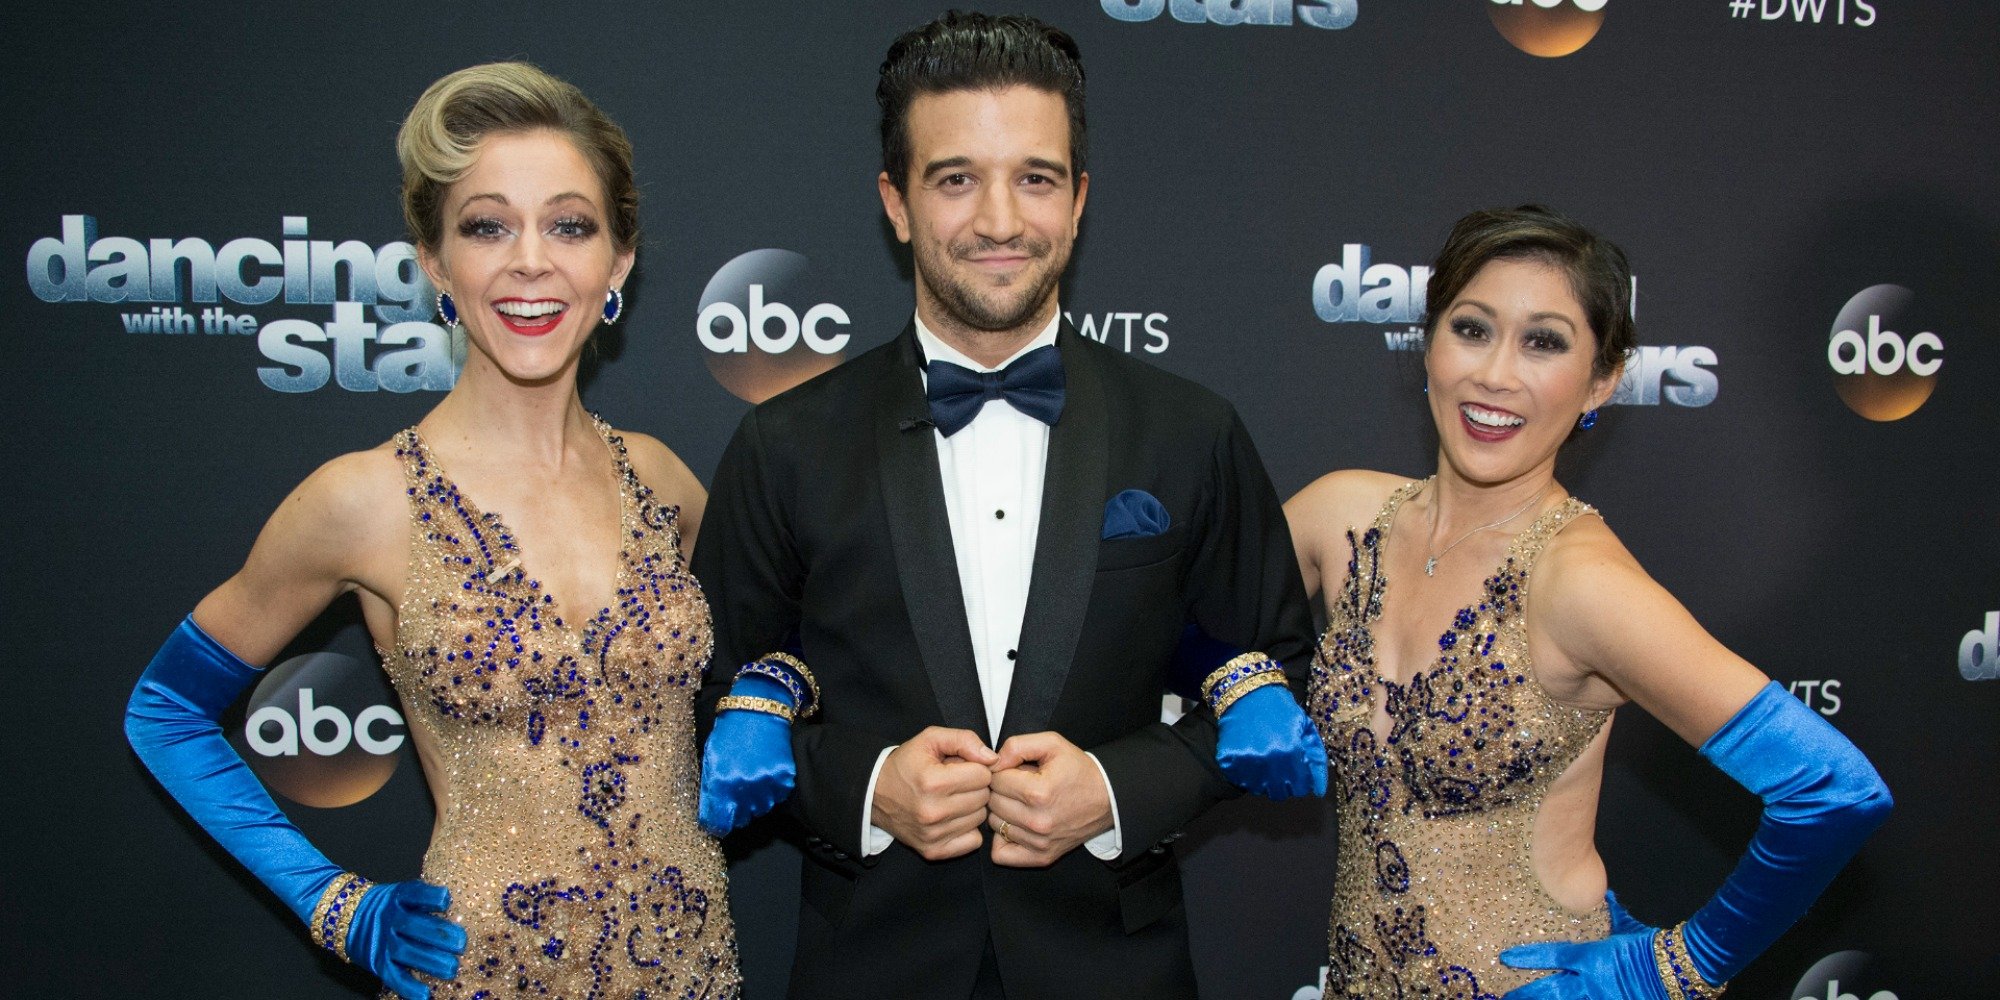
(1013, 654)
(998, 514)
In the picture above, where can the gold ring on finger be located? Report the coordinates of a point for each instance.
(1002, 831)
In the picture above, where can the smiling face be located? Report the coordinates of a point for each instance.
(1509, 364)
(990, 212)
(526, 254)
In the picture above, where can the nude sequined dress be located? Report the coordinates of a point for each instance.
(1436, 819)
(566, 763)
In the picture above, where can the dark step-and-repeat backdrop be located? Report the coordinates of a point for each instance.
(213, 294)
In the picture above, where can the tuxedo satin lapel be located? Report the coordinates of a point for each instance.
(920, 534)
(1065, 544)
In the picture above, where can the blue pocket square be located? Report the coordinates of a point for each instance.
(1135, 514)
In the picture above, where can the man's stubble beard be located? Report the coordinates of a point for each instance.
(977, 315)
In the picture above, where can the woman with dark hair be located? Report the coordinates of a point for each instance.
(557, 738)
(1466, 712)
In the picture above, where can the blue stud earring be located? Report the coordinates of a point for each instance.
(614, 305)
(447, 309)
(1587, 421)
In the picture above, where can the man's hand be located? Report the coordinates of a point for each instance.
(1048, 797)
(932, 792)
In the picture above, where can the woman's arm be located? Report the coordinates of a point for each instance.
(344, 528)
(1611, 632)
(328, 536)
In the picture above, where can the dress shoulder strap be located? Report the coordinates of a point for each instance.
(636, 499)
(418, 468)
(1528, 545)
(1397, 497)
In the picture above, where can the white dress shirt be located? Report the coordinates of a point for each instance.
(992, 471)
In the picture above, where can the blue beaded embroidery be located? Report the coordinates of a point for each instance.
(1454, 747)
(506, 670)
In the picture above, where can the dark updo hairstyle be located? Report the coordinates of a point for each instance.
(972, 51)
(1598, 274)
(440, 139)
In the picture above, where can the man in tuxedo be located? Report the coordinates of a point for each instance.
(989, 583)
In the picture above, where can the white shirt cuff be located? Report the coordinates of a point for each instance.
(1105, 846)
(874, 839)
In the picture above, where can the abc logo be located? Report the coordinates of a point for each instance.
(1880, 373)
(1979, 651)
(759, 343)
(322, 730)
(1548, 28)
(1839, 976)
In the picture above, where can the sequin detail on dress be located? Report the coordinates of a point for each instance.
(1436, 820)
(565, 756)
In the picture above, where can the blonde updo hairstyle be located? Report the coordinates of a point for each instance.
(440, 139)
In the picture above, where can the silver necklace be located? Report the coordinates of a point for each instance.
(1430, 565)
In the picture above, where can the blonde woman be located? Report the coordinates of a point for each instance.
(521, 567)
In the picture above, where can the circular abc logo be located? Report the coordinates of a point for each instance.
(1884, 363)
(1842, 975)
(766, 327)
(322, 730)
(1547, 28)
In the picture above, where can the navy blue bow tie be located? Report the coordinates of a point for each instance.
(1033, 384)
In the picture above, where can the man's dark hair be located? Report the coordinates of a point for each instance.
(972, 51)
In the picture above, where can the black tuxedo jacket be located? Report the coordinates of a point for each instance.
(827, 527)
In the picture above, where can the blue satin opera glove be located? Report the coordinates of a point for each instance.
(173, 723)
(1268, 746)
(1619, 967)
(1821, 801)
(747, 766)
(1265, 744)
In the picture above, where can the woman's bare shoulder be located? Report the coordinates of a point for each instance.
(359, 493)
(1337, 501)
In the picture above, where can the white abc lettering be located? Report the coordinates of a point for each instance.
(736, 341)
(365, 737)
(305, 728)
(1880, 340)
(1884, 352)
(287, 743)
(760, 316)
(825, 344)
(1925, 366)
(310, 717)
(742, 330)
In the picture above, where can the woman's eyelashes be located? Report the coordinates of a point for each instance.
(1540, 338)
(1470, 329)
(482, 227)
(569, 227)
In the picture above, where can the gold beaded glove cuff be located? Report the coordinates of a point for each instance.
(333, 915)
(789, 671)
(1677, 971)
(1238, 677)
(745, 703)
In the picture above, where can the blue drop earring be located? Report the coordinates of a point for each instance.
(1587, 421)
(447, 309)
(614, 305)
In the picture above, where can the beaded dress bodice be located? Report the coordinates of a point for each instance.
(565, 758)
(1435, 877)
